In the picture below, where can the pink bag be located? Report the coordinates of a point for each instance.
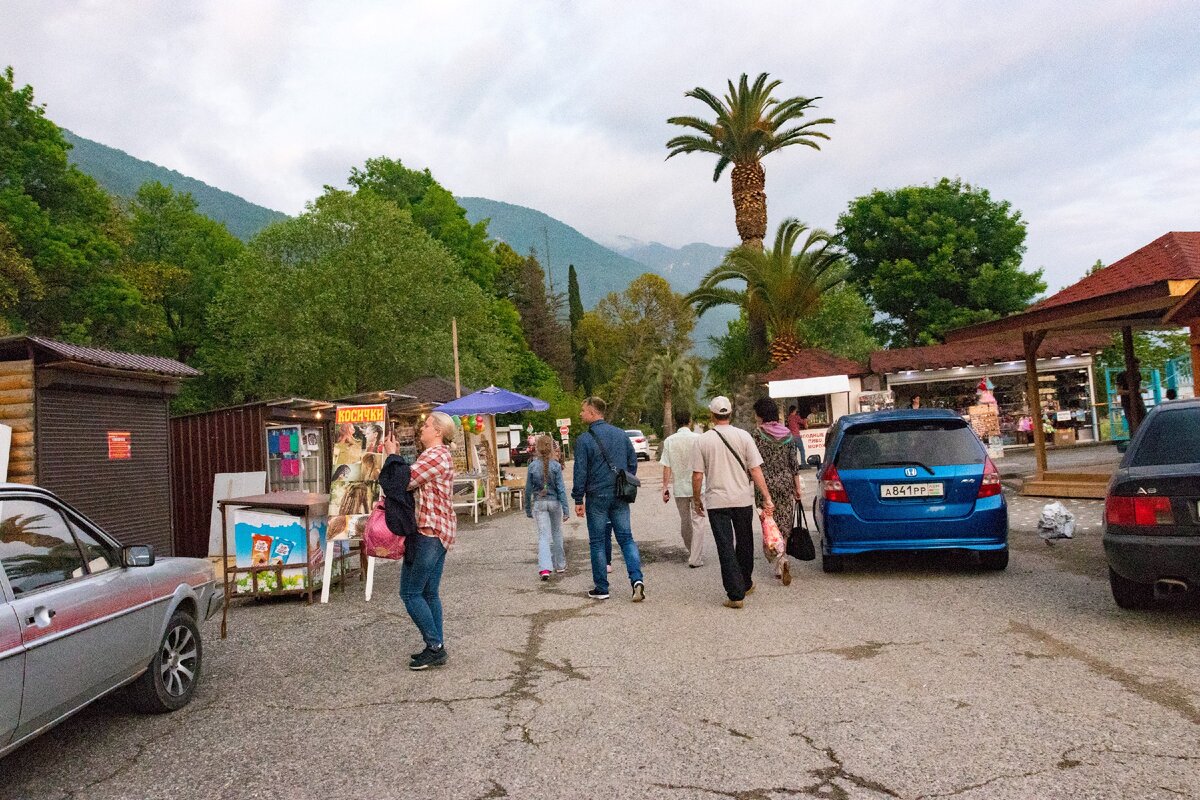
(378, 539)
(773, 542)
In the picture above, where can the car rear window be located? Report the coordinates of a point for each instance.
(937, 443)
(1173, 437)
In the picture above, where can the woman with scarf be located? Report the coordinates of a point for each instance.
(781, 470)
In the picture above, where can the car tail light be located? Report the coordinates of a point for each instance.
(832, 486)
(990, 486)
(639, 440)
(1144, 511)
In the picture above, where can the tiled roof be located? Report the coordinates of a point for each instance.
(431, 389)
(1171, 257)
(813, 363)
(109, 359)
(987, 351)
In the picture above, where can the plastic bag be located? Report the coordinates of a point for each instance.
(1056, 522)
(773, 543)
(378, 539)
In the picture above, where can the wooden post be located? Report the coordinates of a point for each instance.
(1194, 341)
(454, 336)
(1133, 381)
(1032, 341)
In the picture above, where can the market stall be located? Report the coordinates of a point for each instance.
(279, 445)
(949, 376)
(476, 415)
(823, 386)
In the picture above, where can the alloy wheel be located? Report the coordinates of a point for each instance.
(179, 655)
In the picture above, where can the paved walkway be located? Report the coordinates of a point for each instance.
(906, 677)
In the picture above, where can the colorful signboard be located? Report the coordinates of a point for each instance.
(358, 457)
(264, 539)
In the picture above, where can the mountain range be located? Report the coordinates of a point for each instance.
(601, 269)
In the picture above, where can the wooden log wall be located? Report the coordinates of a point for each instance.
(16, 411)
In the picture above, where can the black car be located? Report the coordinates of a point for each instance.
(1152, 511)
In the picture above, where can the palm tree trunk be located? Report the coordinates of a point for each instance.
(749, 184)
(668, 409)
(756, 328)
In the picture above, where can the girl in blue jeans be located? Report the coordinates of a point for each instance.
(545, 499)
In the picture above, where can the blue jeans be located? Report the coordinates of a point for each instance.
(419, 581)
(602, 511)
(548, 515)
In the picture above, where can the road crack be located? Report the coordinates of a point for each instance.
(1167, 693)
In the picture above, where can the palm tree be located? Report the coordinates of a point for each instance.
(674, 374)
(782, 286)
(750, 124)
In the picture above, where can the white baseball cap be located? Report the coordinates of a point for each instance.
(720, 405)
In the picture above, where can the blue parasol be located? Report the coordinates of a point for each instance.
(493, 401)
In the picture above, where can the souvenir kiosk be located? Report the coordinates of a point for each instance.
(825, 385)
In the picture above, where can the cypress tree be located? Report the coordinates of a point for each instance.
(575, 316)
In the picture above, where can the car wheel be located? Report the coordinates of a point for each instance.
(1130, 594)
(832, 563)
(171, 680)
(994, 560)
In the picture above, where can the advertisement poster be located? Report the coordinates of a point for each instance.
(264, 539)
(358, 456)
(814, 441)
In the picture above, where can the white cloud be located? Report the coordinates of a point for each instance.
(1081, 114)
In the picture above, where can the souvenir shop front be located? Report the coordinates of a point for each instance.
(941, 377)
(823, 387)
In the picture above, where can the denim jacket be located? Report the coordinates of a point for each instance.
(556, 488)
(592, 475)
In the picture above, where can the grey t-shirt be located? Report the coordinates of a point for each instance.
(728, 484)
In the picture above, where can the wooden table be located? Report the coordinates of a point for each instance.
(307, 505)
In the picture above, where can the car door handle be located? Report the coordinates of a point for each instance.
(41, 617)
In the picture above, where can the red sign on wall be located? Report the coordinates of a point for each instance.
(120, 445)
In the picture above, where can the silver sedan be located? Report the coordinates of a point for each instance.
(81, 616)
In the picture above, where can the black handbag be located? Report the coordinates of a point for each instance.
(627, 482)
(800, 543)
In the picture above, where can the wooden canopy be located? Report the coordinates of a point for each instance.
(1157, 286)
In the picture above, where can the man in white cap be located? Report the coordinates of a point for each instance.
(728, 460)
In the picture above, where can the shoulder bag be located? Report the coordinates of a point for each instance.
(378, 539)
(800, 543)
(627, 482)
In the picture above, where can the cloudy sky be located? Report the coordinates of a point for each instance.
(1084, 115)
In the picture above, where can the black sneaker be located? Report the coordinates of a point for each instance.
(429, 658)
(639, 591)
(596, 594)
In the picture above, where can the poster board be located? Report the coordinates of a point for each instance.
(227, 485)
(814, 441)
(358, 457)
(262, 538)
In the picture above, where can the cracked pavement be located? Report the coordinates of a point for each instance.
(906, 677)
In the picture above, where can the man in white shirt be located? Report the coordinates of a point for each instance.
(728, 460)
(676, 460)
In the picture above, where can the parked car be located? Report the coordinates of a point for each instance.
(913, 479)
(81, 616)
(641, 447)
(1152, 509)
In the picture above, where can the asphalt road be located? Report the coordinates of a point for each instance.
(907, 677)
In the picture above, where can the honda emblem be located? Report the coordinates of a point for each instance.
(910, 472)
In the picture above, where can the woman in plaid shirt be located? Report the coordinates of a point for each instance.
(425, 554)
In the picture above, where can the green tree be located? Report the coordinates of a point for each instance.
(782, 286)
(60, 234)
(749, 125)
(434, 208)
(548, 338)
(177, 259)
(626, 331)
(574, 317)
(671, 374)
(350, 296)
(934, 258)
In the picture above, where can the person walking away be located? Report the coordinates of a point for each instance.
(425, 554)
(546, 502)
(676, 462)
(727, 464)
(781, 465)
(600, 451)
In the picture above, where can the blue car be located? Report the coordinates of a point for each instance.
(915, 479)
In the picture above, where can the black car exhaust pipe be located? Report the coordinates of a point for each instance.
(1168, 586)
